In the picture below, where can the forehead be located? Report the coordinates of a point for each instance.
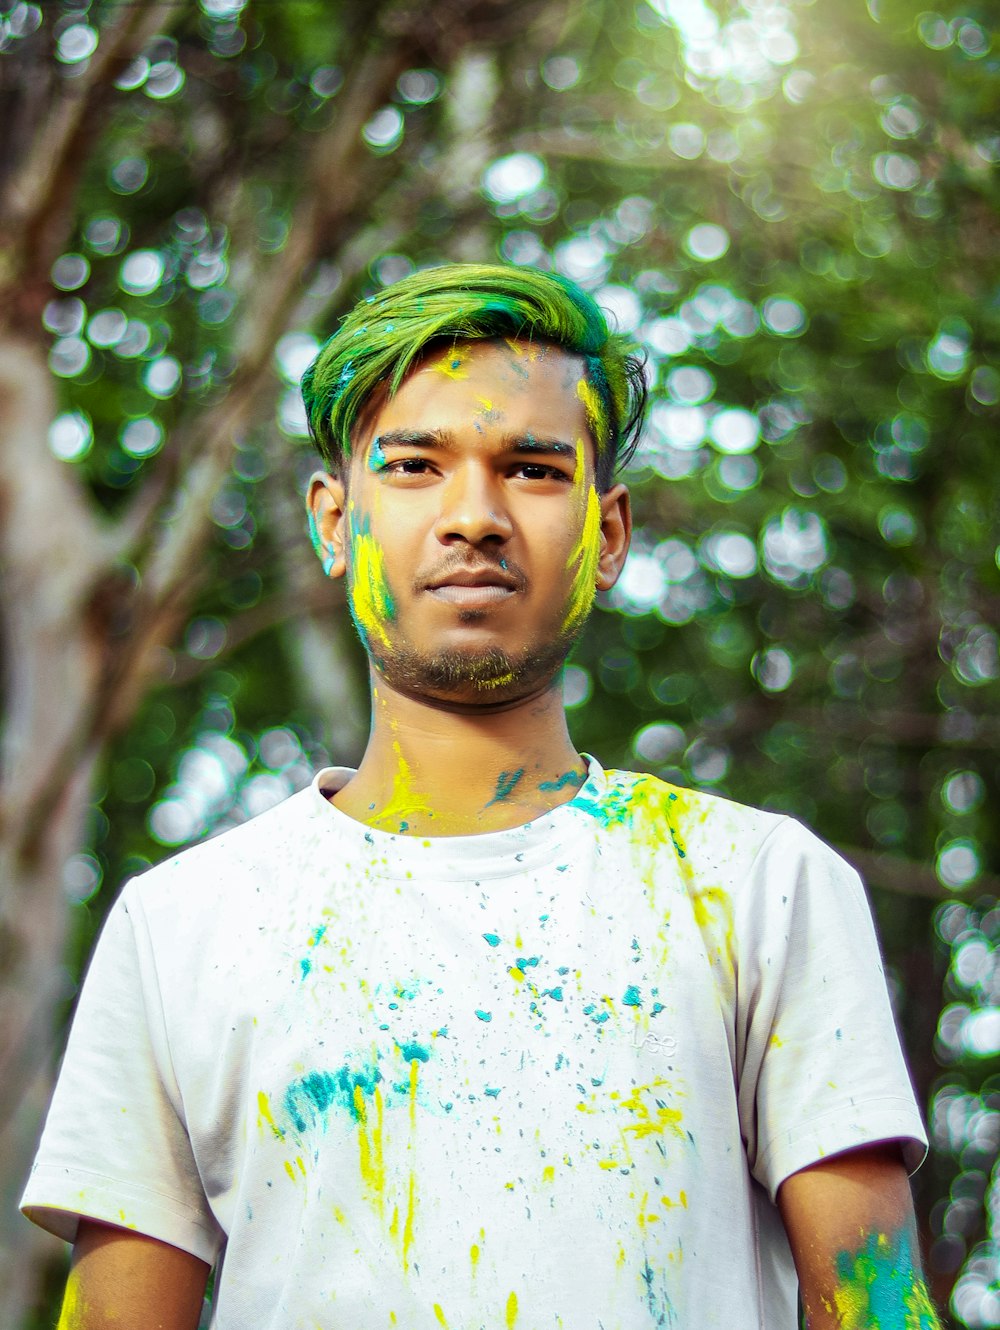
(511, 386)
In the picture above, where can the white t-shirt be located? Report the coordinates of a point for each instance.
(549, 1076)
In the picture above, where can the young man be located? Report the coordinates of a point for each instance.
(480, 1034)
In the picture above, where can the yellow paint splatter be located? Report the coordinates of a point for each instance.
(713, 913)
(264, 1110)
(453, 364)
(592, 406)
(474, 1257)
(289, 1170)
(511, 1316)
(548, 1173)
(371, 1160)
(74, 1311)
(371, 599)
(439, 1315)
(411, 1206)
(584, 556)
(650, 1123)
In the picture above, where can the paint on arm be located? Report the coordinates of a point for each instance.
(878, 1285)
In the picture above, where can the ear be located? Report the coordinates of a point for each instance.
(326, 505)
(616, 536)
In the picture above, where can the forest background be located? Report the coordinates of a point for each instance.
(791, 205)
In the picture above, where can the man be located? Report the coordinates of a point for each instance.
(481, 1034)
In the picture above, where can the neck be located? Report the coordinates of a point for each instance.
(431, 769)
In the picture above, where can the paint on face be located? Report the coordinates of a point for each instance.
(585, 552)
(369, 598)
(879, 1288)
(453, 365)
(376, 455)
(597, 416)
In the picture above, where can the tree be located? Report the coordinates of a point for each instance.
(792, 207)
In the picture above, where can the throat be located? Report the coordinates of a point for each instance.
(479, 803)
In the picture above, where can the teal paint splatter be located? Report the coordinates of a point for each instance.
(492, 938)
(492, 1091)
(414, 1052)
(657, 1008)
(506, 782)
(881, 1286)
(660, 1307)
(376, 455)
(318, 935)
(632, 997)
(309, 1100)
(526, 963)
(567, 778)
(484, 1015)
(555, 993)
(305, 965)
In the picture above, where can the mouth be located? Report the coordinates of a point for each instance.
(472, 597)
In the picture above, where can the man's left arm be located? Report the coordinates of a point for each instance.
(853, 1235)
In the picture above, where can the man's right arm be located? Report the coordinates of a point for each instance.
(122, 1280)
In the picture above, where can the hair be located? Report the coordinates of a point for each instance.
(384, 335)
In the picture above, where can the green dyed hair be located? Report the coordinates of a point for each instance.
(383, 336)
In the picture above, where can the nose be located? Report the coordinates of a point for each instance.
(472, 507)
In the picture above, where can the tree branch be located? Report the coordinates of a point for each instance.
(907, 877)
(42, 193)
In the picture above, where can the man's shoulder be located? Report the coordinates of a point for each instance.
(708, 833)
(278, 839)
(632, 795)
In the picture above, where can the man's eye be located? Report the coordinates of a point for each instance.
(536, 471)
(407, 466)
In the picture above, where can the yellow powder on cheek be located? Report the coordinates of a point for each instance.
(585, 555)
(371, 599)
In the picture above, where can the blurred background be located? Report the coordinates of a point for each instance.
(791, 204)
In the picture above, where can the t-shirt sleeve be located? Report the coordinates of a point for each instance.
(115, 1147)
(819, 1060)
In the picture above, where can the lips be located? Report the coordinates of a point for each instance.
(474, 588)
(474, 577)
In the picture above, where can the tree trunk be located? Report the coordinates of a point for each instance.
(51, 564)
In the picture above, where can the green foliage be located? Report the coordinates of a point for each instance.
(793, 207)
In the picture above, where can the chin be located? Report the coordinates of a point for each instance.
(473, 673)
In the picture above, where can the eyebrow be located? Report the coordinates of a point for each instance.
(511, 443)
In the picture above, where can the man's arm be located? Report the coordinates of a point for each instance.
(853, 1235)
(122, 1280)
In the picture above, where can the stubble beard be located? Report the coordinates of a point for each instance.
(476, 675)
